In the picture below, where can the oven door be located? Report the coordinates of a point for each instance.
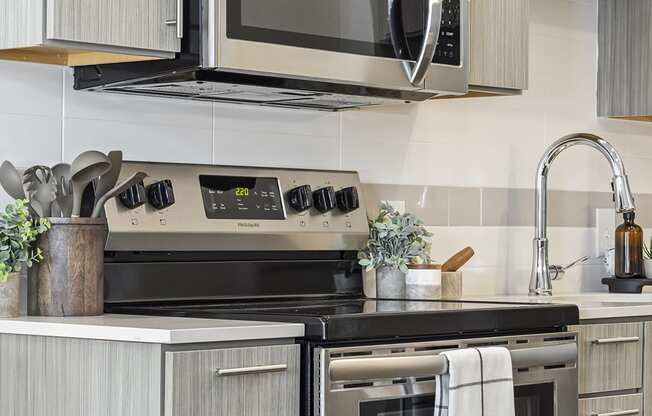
(397, 380)
(392, 44)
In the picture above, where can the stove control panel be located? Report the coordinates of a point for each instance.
(184, 207)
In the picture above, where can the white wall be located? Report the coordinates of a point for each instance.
(482, 142)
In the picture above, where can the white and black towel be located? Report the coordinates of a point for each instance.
(478, 383)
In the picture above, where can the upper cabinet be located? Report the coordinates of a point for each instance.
(499, 46)
(83, 32)
(625, 59)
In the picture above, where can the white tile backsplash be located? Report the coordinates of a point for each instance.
(481, 142)
(139, 141)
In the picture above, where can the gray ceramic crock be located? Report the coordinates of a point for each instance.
(390, 283)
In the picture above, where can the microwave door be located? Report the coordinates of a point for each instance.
(343, 41)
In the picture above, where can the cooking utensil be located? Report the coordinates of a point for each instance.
(64, 197)
(61, 173)
(86, 167)
(123, 186)
(109, 179)
(44, 195)
(457, 260)
(11, 180)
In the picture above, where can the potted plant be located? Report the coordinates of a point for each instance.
(647, 259)
(395, 241)
(18, 232)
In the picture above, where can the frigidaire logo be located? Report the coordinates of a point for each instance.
(249, 224)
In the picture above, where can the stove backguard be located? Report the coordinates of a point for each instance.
(225, 232)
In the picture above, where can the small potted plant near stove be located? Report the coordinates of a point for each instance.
(395, 241)
(18, 233)
(647, 259)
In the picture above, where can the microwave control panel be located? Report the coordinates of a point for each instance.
(449, 49)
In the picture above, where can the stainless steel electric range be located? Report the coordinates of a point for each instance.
(281, 245)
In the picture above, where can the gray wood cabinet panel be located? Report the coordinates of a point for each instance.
(499, 44)
(631, 403)
(192, 387)
(647, 370)
(75, 377)
(625, 59)
(610, 357)
(21, 23)
(13, 376)
(136, 24)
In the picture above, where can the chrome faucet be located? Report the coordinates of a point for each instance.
(541, 281)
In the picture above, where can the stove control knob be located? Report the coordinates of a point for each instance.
(300, 198)
(161, 194)
(134, 196)
(347, 199)
(324, 199)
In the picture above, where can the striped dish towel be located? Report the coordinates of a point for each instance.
(478, 383)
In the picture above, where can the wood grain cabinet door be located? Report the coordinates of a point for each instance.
(255, 381)
(610, 357)
(626, 405)
(499, 44)
(135, 24)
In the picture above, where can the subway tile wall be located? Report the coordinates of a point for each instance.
(474, 158)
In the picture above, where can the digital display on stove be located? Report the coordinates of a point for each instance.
(241, 198)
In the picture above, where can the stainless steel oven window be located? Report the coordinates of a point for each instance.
(278, 59)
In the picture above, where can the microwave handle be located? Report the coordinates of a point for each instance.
(356, 369)
(416, 71)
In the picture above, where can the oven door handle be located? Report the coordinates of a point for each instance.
(416, 71)
(357, 369)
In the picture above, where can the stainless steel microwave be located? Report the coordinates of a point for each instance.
(339, 53)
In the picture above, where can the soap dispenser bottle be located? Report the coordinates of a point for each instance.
(629, 248)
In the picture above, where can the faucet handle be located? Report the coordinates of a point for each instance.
(557, 272)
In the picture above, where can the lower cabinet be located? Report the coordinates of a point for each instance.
(626, 405)
(610, 357)
(257, 381)
(51, 376)
(612, 379)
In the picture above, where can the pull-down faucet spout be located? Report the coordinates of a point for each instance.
(540, 281)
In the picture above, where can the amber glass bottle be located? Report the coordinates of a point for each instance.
(629, 248)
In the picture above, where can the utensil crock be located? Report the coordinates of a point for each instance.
(10, 297)
(69, 281)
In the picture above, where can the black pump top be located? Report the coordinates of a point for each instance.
(629, 216)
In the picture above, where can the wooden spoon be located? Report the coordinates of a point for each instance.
(458, 260)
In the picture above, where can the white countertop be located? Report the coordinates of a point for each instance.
(150, 329)
(591, 305)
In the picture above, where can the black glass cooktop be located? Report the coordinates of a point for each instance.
(356, 319)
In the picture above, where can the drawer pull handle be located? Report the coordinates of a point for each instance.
(619, 340)
(261, 369)
(618, 413)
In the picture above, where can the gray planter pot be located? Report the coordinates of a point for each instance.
(390, 283)
(69, 281)
(10, 297)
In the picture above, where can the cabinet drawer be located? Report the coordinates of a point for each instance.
(257, 381)
(628, 405)
(610, 357)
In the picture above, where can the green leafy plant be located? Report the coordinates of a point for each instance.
(647, 251)
(395, 240)
(18, 232)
